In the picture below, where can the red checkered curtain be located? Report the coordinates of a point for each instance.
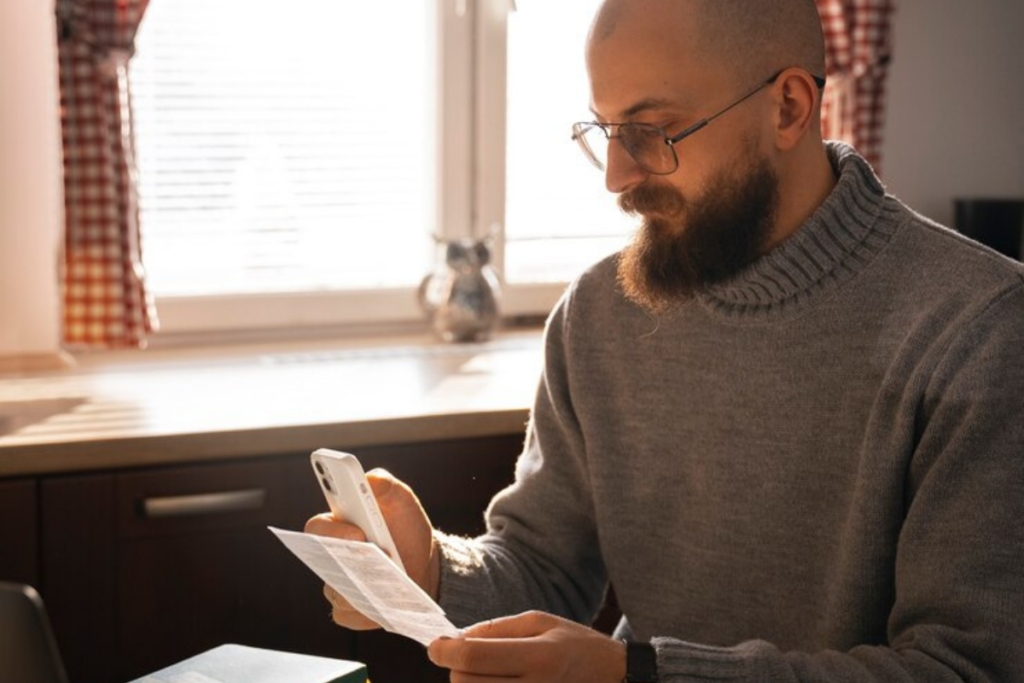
(105, 299)
(858, 47)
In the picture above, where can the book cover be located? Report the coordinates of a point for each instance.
(242, 664)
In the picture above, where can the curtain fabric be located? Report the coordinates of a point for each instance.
(105, 300)
(858, 48)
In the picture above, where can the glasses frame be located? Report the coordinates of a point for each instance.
(579, 129)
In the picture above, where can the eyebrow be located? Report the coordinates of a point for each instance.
(649, 104)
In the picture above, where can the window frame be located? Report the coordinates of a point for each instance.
(471, 49)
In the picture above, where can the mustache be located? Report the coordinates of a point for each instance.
(652, 201)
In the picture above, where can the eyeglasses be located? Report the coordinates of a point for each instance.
(649, 145)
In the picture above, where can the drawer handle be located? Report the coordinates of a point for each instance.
(203, 504)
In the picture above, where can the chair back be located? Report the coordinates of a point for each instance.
(28, 651)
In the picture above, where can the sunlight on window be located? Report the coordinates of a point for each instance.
(284, 146)
(559, 217)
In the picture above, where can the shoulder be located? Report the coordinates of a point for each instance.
(936, 289)
(936, 251)
(594, 311)
(929, 268)
(595, 288)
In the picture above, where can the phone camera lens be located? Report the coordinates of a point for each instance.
(319, 468)
(327, 485)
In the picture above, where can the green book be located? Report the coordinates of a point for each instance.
(241, 664)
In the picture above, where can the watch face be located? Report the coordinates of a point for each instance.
(641, 663)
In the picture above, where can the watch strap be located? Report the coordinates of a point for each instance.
(641, 663)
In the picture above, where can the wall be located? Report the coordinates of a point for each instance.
(955, 123)
(31, 199)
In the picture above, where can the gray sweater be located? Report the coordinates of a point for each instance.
(813, 472)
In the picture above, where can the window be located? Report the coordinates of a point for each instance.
(559, 218)
(295, 158)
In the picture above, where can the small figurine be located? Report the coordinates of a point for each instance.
(462, 295)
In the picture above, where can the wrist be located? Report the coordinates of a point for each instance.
(618, 666)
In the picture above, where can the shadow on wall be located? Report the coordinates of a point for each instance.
(997, 223)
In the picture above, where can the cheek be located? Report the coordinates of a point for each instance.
(715, 162)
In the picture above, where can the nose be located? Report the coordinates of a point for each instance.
(621, 170)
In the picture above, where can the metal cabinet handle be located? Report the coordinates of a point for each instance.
(203, 504)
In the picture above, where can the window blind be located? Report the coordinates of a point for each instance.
(284, 146)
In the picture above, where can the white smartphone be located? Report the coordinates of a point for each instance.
(350, 498)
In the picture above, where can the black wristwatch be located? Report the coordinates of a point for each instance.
(641, 663)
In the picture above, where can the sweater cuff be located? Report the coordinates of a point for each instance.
(682, 662)
(460, 598)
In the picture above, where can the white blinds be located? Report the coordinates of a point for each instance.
(284, 146)
(290, 146)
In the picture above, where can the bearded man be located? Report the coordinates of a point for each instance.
(786, 423)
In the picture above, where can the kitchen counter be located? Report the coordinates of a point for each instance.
(161, 407)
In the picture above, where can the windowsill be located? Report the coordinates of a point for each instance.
(172, 405)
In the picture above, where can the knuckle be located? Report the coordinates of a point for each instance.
(536, 617)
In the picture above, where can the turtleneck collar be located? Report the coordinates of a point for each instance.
(842, 235)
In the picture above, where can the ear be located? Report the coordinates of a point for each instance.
(482, 252)
(798, 100)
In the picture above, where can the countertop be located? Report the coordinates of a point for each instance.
(145, 408)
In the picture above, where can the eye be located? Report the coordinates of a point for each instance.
(638, 136)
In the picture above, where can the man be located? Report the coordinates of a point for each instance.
(786, 423)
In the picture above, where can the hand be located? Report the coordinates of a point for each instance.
(533, 647)
(410, 530)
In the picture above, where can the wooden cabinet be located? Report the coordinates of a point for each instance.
(19, 549)
(146, 567)
(79, 584)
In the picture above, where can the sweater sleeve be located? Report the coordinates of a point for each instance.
(959, 573)
(540, 551)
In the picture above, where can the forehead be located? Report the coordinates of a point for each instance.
(646, 61)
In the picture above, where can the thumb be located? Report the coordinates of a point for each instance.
(381, 482)
(396, 500)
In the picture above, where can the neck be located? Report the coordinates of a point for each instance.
(805, 182)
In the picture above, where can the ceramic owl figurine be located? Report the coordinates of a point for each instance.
(462, 295)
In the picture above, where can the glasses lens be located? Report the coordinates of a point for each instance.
(646, 144)
(594, 143)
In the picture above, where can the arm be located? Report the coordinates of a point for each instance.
(541, 549)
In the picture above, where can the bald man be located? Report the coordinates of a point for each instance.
(785, 422)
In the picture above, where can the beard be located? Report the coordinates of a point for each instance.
(684, 246)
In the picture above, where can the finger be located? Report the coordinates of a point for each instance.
(326, 525)
(525, 625)
(502, 658)
(463, 677)
(343, 614)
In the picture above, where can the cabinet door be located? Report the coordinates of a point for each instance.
(196, 565)
(151, 567)
(78, 573)
(19, 550)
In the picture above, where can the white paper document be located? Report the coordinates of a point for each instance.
(373, 584)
